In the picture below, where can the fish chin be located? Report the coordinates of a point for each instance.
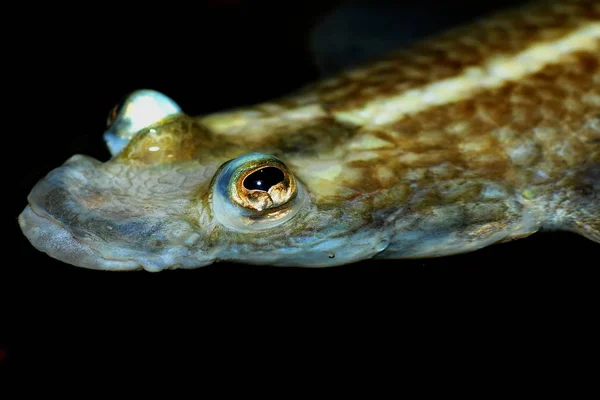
(46, 235)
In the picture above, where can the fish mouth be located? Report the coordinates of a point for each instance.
(76, 215)
(47, 235)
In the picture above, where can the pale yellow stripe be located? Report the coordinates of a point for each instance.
(234, 121)
(493, 73)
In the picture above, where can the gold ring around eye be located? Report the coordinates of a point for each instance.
(275, 189)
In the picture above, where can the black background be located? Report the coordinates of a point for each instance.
(72, 65)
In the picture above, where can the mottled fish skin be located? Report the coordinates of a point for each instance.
(483, 134)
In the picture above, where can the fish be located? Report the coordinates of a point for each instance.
(483, 134)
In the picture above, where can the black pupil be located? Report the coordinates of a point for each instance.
(263, 179)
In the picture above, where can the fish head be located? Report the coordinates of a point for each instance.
(181, 193)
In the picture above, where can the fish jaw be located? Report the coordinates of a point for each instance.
(46, 235)
(84, 214)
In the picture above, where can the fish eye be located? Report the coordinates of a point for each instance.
(139, 110)
(268, 186)
(255, 191)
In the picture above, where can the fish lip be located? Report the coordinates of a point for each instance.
(52, 222)
(47, 235)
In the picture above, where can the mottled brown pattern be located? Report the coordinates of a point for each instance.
(492, 156)
(525, 132)
(449, 54)
(439, 57)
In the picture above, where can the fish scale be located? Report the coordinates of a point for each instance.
(483, 134)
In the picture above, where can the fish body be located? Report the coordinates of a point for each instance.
(483, 134)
